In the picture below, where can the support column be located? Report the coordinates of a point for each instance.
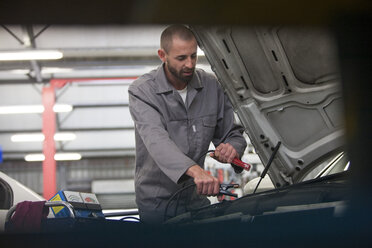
(49, 129)
(49, 149)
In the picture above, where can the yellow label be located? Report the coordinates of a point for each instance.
(57, 209)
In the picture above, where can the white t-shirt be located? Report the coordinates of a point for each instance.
(183, 94)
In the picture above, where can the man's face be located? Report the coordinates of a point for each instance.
(181, 59)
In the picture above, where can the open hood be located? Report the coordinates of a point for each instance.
(285, 86)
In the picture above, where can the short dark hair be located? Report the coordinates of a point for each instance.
(181, 31)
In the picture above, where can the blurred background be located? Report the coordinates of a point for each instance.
(94, 132)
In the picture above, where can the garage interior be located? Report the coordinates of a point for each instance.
(351, 19)
(98, 64)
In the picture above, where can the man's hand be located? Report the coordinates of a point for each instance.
(205, 183)
(225, 153)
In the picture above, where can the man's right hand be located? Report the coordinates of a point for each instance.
(205, 183)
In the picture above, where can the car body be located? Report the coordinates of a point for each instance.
(336, 164)
(284, 84)
(13, 192)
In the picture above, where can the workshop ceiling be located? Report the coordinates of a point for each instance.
(100, 62)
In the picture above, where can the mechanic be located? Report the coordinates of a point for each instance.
(178, 111)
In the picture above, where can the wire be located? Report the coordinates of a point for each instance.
(174, 195)
(180, 191)
(205, 154)
(177, 201)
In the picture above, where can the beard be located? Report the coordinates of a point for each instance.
(179, 74)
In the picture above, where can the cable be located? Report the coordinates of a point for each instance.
(180, 191)
(174, 195)
(179, 196)
(205, 154)
(177, 201)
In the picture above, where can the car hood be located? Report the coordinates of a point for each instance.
(284, 85)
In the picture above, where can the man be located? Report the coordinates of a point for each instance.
(178, 110)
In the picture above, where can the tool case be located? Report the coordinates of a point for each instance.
(69, 219)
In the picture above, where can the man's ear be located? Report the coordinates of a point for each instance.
(162, 55)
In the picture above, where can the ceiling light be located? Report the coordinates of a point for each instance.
(30, 55)
(39, 137)
(55, 70)
(34, 137)
(67, 156)
(35, 157)
(18, 71)
(33, 109)
(64, 136)
(57, 157)
(58, 108)
(21, 109)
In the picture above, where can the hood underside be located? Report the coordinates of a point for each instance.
(285, 87)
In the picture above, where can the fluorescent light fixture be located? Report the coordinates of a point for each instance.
(64, 136)
(18, 71)
(39, 137)
(58, 157)
(35, 157)
(31, 137)
(21, 109)
(47, 70)
(58, 108)
(33, 109)
(30, 55)
(67, 156)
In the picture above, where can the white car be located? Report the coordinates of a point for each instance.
(284, 84)
(11, 193)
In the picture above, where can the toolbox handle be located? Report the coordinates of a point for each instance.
(48, 204)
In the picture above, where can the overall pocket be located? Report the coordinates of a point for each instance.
(207, 130)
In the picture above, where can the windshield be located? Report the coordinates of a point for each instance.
(334, 164)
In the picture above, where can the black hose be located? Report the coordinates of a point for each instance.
(178, 199)
(181, 190)
(174, 195)
(205, 154)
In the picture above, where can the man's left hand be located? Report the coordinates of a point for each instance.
(225, 153)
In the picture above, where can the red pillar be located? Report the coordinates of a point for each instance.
(49, 149)
(49, 129)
